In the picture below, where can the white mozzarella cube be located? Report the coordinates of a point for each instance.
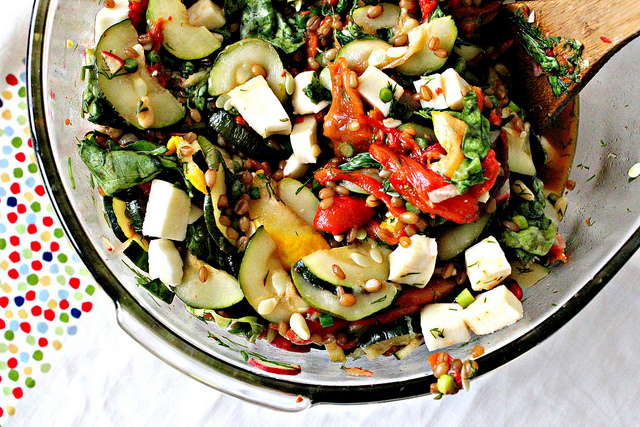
(167, 214)
(486, 264)
(302, 104)
(371, 82)
(304, 137)
(205, 13)
(194, 214)
(415, 264)
(492, 310)
(443, 325)
(434, 83)
(294, 168)
(455, 88)
(165, 262)
(259, 106)
(108, 16)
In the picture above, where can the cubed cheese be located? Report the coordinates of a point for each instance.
(259, 106)
(165, 262)
(372, 81)
(414, 265)
(304, 137)
(205, 13)
(294, 168)
(455, 88)
(302, 104)
(108, 16)
(194, 214)
(486, 264)
(442, 325)
(492, 310)
(434, 83)
(167, 213)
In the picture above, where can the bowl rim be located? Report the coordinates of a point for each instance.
(312, 394)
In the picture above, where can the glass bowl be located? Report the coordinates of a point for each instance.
(601, 229)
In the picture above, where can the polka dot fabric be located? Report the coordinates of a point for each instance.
(44, 288)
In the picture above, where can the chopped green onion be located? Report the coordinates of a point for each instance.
(326, 320)
(346, 149)
(465, 298)
(513, 107)
(386, 95)
(130, 65)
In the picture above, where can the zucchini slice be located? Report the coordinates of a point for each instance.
(180, 38)
(328, 302)
(357, 53)
(219, 290)
(115, 212)
(120, 88)
(381, 339)
(262, 277)
(425, 60)
(387, 19)
(298, 198)
(247, 141)
(136, 249)
(355, 261)
(455, 239)
(233, 67)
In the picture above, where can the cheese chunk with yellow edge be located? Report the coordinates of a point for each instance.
(294, 237)
(450, 133)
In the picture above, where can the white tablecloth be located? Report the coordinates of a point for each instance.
(585, 374)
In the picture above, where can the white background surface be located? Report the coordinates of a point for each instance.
(585, 374)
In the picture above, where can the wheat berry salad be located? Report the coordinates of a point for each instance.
(340, 176)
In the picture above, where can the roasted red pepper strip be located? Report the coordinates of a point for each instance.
(397, 140)
(285, 344)
(345, 213)
(410, 301)
(414, 181)
(427, 7)
(346, 107)
(370, 185)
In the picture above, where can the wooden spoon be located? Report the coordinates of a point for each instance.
(603, 28)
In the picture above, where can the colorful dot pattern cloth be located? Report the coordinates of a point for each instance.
(44, 288)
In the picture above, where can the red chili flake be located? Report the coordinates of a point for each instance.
(439, 91)
(67, 122)
(299, 399)
(605, 39)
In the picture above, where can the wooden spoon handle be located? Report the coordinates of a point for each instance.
(603, 27)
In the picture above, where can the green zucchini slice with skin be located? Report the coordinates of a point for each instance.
(354, 260)
(219, 290)
(387, 19)
(454, 240)
(262, 277)
(233, 67)
(298, 198)
(119, 89)
(247, 141)
(327, 301)
(115, 212)
(425, 60)
(180, 38)
(135, 212)
(378, 340)
(212, 225)
(136, 249)
(357, 53)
